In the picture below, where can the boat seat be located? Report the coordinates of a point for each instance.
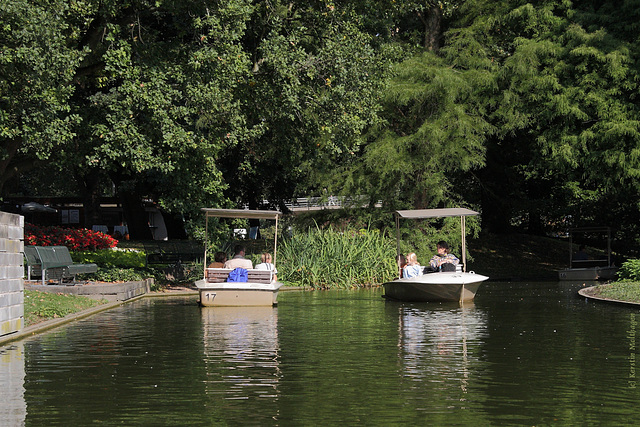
(219, 275)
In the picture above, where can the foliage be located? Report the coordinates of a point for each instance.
(341, 258)
(41, 306)
(113, 257)
(629, 271)
(312, 90)
(115, 274)
(564, 104)
(525, 111)
(433, 130)
(76, 239)
(37, 67)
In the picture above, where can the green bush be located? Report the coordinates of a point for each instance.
(630, 271)
(115, 257)
(332, 258)
(114, 274)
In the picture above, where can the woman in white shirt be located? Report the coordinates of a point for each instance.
(267, 265)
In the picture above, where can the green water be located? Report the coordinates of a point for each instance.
(522, 354)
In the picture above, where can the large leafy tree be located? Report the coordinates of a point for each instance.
(36, 70)
(565, 106)
(156, 98)
(433, 131)
(313, 89)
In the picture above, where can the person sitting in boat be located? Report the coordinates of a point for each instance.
(413, 268)
(267, 265)
(582, 254)
(219, 258)
(401, 260)
(239, 260)
(443, 260)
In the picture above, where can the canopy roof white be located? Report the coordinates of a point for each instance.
(438, 213)
(241, 213)
(244, 214)
(435, 213)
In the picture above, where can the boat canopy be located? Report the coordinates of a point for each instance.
(243, 214)
(438, 213)
(435, 213)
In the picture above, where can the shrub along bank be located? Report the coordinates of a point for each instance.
(336, 258)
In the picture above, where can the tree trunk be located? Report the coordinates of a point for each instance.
(432, 21)
(135, 215)
(90, 187)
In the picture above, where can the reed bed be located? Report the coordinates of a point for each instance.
(332, 258)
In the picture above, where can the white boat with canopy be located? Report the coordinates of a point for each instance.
(438, 286)
(261, 287)
(585, 268)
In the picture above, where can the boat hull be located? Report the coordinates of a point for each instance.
(245, 294)
(435, 287)
(588, 274)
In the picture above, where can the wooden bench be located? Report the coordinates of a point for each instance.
(589, 263)
(219, 275)
(54, 262)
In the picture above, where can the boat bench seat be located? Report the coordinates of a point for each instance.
(589, 263)
(219, 275)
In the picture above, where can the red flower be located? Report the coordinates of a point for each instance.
(75, 239)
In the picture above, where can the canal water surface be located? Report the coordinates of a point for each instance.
(521, 354)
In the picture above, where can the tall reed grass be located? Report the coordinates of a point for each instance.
(336, 258)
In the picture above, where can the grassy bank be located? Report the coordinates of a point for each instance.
(41, 306)
(620, 291)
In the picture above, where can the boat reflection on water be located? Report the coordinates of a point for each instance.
(440, 342)
(241, 352)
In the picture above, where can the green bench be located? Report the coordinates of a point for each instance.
(54, 262)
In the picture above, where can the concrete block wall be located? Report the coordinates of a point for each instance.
(11, 273)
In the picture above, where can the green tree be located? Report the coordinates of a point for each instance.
(156, 97)
(564, 106)
(36, 71)
(433, 130)
(313, 89)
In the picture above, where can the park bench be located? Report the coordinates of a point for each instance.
(219, 275)
(54, 262)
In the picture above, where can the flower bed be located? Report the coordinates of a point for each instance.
(76, 239)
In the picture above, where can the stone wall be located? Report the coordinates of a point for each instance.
(11, 273)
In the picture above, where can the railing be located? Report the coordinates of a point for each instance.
(331, 202)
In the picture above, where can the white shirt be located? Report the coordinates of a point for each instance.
(266, 266)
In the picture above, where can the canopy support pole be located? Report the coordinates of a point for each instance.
(206, 244)
(463, 230)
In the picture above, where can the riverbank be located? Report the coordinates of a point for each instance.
(508, 257)
(621, 292)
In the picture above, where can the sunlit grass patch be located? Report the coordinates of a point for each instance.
(621, 291)
(41, 306)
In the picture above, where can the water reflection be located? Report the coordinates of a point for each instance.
(438, 342)
(241, 352)
(13, 409)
